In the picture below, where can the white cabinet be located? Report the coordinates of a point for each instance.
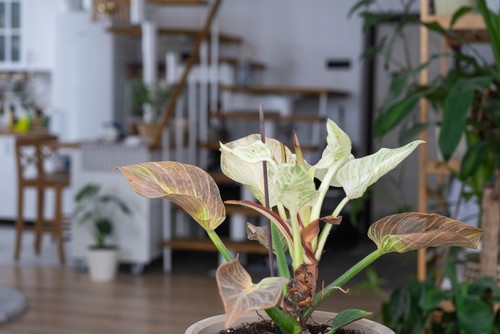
(139, 235)
(8, 181)
(27, 35)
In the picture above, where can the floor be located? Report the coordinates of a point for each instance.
(64, 300)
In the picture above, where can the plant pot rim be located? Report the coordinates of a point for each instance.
(212, 323)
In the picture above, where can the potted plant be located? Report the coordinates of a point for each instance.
(147, 102)
(283, 184)
(96, 210)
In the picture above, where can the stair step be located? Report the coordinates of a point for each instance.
(284, 90)
(135, 69)
(214, 146)
(253, 115)
(136, 31)
(178, 2)
(205, 245)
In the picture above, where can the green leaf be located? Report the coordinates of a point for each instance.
(357, 175)
(346, 317)
(459, 13)
(410, 231)
(240, 295)
(391, 116)
(456, 108)
(190, 187)
(473, 159)
(88, 191)
(474, 315)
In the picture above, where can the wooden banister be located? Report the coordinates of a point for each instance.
(169, 109)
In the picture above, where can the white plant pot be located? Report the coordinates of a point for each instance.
(448, 7)
(103, 264)
(216, 324)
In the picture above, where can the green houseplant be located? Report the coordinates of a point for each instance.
(95, 210)
(283, 184)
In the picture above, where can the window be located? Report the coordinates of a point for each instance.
(10, 31)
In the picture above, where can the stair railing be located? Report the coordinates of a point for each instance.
(179, 88)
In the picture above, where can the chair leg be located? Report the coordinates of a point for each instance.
(40, 195)
(19, 223)
(58, 225)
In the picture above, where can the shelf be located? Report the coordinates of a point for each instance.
(439, 167)
(470, 28)
(136, 32)
(284, 90)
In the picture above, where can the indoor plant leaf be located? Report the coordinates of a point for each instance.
(294, 187)
(456, 110)
(346, 317)
(358, 174)
(338, 149)
(409, 231)
(241, 296)
(188, 186)
(260, 234)
(250, 173)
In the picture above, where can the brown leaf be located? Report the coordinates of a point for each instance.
(260, 233)
(409, 231)
(240, 296)
(301, 289)
(188, 186)
(332, 220)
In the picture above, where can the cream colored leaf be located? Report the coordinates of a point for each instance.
(295, 188)
(357, 175)
(251, 174)
(188, 186)
(409, 231)
(240, 296)
(338, 149)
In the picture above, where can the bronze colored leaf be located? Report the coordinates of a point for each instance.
(241, 296)
(409, 231)
(188, 186)
(260, 233)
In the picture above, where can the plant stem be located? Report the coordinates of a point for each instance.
(326, 230)
(228, 256)
(297, 253)
(323, 189)
(346, 277)
(286, 323)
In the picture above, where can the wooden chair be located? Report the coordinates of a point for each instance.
(34, 153)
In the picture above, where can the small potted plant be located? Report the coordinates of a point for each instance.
(283, 184)
(96, 210)
(147, 101)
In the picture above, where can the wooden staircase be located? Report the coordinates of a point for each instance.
(209, 76)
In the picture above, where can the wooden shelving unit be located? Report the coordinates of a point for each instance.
(471, 27)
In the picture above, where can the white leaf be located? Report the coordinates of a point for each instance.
(357, 175)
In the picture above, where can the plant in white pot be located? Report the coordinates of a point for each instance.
(283, 184)
(96, 210)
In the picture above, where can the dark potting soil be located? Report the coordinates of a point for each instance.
(267, 327)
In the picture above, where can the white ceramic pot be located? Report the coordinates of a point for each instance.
(448, 7)
(214, 324)
(103, 264)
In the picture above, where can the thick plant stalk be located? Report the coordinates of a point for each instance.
(220, 246)
(339, 282)
(491, 228)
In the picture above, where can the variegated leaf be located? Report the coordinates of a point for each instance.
(188, 186)
(240, 295)
(409, 231)
(358, 174)
(337, 151)
(295, 188)
(250, 174)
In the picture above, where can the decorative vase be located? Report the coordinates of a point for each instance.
(102, 263)
(215, 324)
